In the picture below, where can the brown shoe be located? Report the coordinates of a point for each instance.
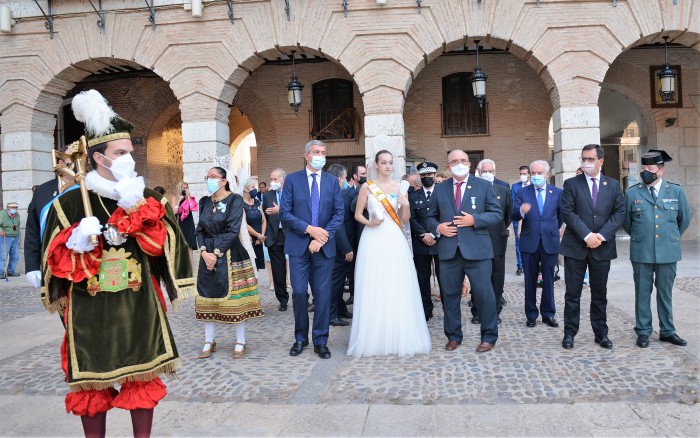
(484, 347)
(451, 345)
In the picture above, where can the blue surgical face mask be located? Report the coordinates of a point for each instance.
(253, 193)
(318, 161)
(346, 185)
(537, 180)
(13, 211)
(213, 185)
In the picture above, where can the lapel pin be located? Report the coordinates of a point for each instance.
(550, 191)
(498, 197)
(469, 187)
(605, 183)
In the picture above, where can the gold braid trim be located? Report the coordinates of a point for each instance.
(57, 306)
(183, 293)
(109, 137)
(167, 368)
(136, 206)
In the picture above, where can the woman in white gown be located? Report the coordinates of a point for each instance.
(388, 315)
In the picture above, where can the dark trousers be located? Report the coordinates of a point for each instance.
(278, 263)
(574, 271)
(424, 269)
(518, 255)
(498, 278)
(351, 276)
(314, 269)
(452, 272)
(646, 276)
(340, 272)
(531, 267)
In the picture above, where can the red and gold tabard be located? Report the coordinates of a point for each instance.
(381, 197)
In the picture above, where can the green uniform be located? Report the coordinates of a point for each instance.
(655, 228)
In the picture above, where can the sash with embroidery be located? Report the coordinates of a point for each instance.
(381, 197)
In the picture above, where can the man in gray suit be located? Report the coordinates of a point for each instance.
(593, 208)
(464, 210)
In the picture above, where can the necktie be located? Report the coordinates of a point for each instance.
(594, 192)
(458, 197)
(653, 194)
(315, 198)
(279, 201)
(540, 201)
(427, 195)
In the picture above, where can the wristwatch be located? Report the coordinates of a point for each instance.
(437, 233)
(202, 248)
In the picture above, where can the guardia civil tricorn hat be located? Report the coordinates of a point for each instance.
(102, 124)
(655, 156)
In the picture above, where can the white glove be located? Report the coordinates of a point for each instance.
(130, 191)
(34, 278)
(79, 240)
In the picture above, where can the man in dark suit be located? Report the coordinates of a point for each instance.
(524, 182)
(262, 190)
(425, 251)
(465, 208)
(276, 236)
(499, 237)
(593, 208)
(359, 177)
(343, 256)
(312, 212)
(538, 207)
(499, 182)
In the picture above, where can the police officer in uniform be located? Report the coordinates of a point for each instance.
(424, 243)
(657, 214)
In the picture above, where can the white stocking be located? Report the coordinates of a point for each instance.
(209, 331)
(240, 333)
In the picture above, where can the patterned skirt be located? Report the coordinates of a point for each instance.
(243, 299)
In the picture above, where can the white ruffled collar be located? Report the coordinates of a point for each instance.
(102, 186)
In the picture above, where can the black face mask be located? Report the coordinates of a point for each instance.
(184, 192)
(648, 177)
(363, 179)
(253, 193)
(427, 181)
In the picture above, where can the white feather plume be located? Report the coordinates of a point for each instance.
(91, 108)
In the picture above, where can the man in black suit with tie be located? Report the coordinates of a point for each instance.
(425, 250)
(359, 177)
(498, 233)
(465, 208)
(276, 236)
(593, 207)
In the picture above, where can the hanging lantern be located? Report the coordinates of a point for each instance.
(294, 89)
(479, 80)
(667, 77)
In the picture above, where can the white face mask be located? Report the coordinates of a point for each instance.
(274, 185)
(488, 176)
(122, 167)
(459, 170)
(523, 179)
(589, 169)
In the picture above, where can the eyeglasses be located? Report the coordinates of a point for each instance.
(588, 159)
(457, 162)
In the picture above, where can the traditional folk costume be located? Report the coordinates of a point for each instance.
(117, 332)
(229, 293)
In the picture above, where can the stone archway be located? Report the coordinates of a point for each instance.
(164, 150)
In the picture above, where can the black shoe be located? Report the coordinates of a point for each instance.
(12, 274)
(498, 320)
(550, 322)
(476, 320)
(531, 322)
(642, 341)
(322, 351)
(311, 307)
(568, 342)
(519, 271)
(604, 342)
(504, 302)
(282, 307)
(470, 303)
(346, 315)
(674, 339)
(297, 348)
(338, 322)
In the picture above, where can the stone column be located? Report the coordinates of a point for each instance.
(574, 127)
(202, 141)
(386, 131)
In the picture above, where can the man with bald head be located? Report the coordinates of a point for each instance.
(465, 208)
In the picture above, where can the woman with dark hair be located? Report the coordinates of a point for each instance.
(256, 220)
(184, 205)
(226, 283)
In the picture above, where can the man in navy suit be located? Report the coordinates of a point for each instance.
(538, 207)
(312, 212)
(524, 182)
(465, 209)
(359, 177)
(276, 236)
(593, 208)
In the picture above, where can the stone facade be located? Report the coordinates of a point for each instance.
(559, 55)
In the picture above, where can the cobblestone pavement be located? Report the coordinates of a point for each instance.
(527, 367)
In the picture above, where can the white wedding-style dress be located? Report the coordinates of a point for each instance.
(388, 315)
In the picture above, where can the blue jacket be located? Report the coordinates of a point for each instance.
(538, 227)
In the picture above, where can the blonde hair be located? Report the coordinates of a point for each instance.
(178, 187)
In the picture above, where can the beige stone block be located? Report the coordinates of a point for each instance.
(205, 131)
(575, 117)
(407, 420)
(691, 137)
(388, 124)
(26, 141)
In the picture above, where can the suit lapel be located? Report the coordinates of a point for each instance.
(583, 182)
(466, 194)
(307, 191)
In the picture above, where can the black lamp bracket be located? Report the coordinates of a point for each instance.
(346, 4)
(151, 14)
(100, 14)
(287, 10)
(230, 9)
(418, 2)
(49, 18)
